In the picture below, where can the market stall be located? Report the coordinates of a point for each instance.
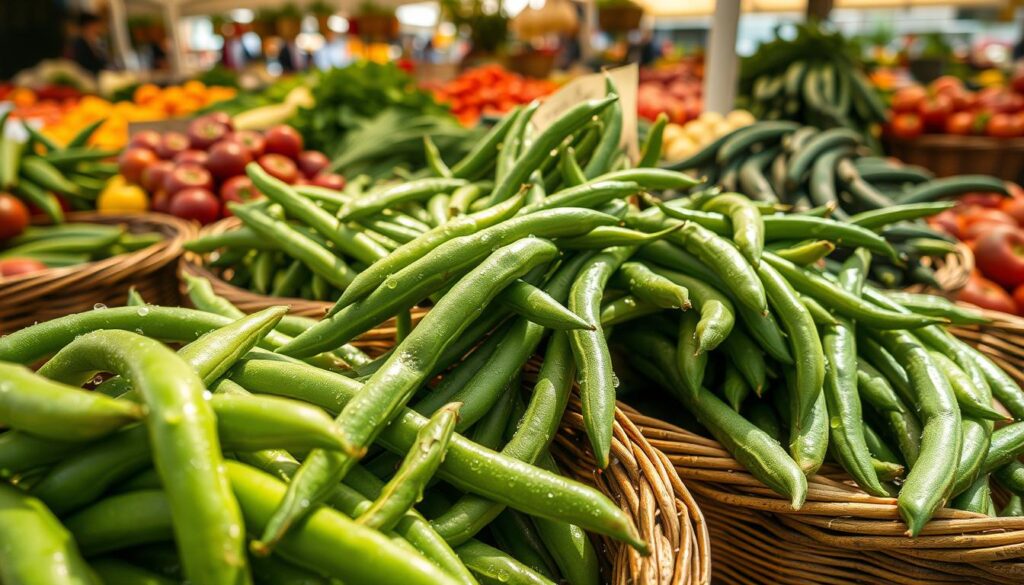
(535, 293)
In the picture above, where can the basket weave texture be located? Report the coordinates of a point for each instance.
(48, 294)
(948, 155)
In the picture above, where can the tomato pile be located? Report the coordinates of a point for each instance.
(676, 90)
(489, 90)
(993, 227)
(945, 106)
(194, 175)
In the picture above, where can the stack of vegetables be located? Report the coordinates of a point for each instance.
(25, 249)
(487, 91)
(946, 106)
(148, 103)
(540, 247)
(829, 171)
(371, 117)
(50, 178)
(816, 78)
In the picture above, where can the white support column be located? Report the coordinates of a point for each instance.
(585, 34)
(722, 64)
(119, 24)
(172, 16)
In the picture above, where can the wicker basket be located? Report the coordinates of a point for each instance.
(41, 296)
(953, 271)
(1002, 340)
(948, 155)
(642, 480)
(841, 535)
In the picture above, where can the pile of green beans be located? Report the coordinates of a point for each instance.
(829, 172)
(39, 169)
(69, 244)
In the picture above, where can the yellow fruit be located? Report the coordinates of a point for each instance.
(119, 197)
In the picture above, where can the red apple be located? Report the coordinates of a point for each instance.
(204, 132)
(221, 118)
(240, 189)
(999, 255)
(171, 144)
(133, 161)
(935, 111)
(329, 181)
(284, 140)
(251, 140)
(1014, 208)
(153, 176)
(986, 294)
(947, 222)
(228, 159)
(196, 157)
(159, 201)
(188, 176)
(150, 139)
(978, 222)
(198, 204)
(1018, 297)
(312, 162)
(280, 167)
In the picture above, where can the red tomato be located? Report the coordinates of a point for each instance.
(1018, 297)
(961, 123)
(908, 99)
(1003, 126)
(935, 111)
(13, 216)
(947, 83)
(906, 126)
(195, 203)
(1014, 208)
(986, 294)
(975, 224)
(18, 266)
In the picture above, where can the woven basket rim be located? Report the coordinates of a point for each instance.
(180, 231)
(957, 142)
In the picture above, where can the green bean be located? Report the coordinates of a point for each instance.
(808, 435)
(572, 174)
(975, 498)
(1014, 507)
(274, 571)
(651, 152)
(763, 417)
(625, 309)
(350, 241)
(405, 489)
(408, 253)
(819, 314)
(115, 572)
(875, 389)
(492, 566)
(569, 545)
(844, 303)
(929, 482)
(880, 451)
(608, 144)
(649, 178)
(734, 388)
(588, 195)
(807, 253)
(1004, 388)
(539, 307)
(313, 255)
(938, 307)
(510, 147)
(328, 541)
(434, 161)
(1011, 476)
(431, 272)
(437, 207)
(122, 521)
(35, 549)
(20, 452)
(969, 398)
(390, 387)
(690, 360)
(805, 343)
(753, 448)
(717, 254)
(748, 358)
(717, 313)
(206, 520)
(50, 410)
(610, 236)
(517, 535)
(548, 140)
(481, 155)
(748, 225)
(597, 380)
(412, 191)
(654, 288)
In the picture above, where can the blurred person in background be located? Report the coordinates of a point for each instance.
(89, 48)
